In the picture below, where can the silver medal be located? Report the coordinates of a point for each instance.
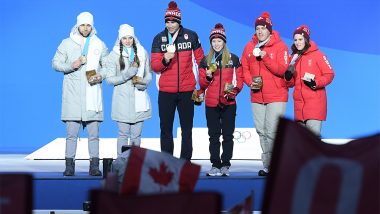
(256, 52)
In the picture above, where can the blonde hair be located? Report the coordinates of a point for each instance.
(226, 56)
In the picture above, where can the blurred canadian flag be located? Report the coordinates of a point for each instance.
(244, 207)
(157, 172)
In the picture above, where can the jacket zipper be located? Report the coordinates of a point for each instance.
(303, 100)
(176, 45)
(220, 79)
(262, 78)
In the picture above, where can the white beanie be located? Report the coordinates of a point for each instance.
(126, 30)
(85, 18)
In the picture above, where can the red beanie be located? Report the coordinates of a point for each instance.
(304, 31)
(173, 13)
(218, 32)
(264, 20)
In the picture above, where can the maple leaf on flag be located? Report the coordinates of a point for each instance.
(163, 176)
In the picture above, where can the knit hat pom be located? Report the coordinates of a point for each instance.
(172, 4)
(266, 14)
(219, 26)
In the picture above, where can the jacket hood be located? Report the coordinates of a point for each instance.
(75, 30)
(76, 36)
(313, 47)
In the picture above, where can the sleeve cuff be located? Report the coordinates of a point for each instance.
(209, 78)
(166, 64)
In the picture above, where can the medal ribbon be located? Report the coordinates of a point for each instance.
(172, 38)
(131, 54)
(295, 57)
(260, 44)
(214, 58)
(85, 47)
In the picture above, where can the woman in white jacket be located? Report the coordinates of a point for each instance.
(129, 71)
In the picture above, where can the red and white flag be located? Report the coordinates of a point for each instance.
(244, 207)
(310, 176)
(156, 172)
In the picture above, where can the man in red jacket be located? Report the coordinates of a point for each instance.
(264, 62)
(172, 59)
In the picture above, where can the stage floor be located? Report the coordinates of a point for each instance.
(48, 179)
(17, 163)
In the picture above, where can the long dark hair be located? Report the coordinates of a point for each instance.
(300, 52)
(121, 59)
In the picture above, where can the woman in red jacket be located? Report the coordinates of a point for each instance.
(221, 76)
(309, 72)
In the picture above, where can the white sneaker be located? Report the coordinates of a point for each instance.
(225, 171)
(214, 172)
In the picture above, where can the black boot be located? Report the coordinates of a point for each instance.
(70, 167)
(94, 167)
(263, 172)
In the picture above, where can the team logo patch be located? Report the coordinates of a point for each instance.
(164, 39)
(186, 36)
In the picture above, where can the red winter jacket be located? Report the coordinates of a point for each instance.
(308, 103)
(177, 75)
(215, 87)
(272, 69)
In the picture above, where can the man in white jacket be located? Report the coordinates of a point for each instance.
(80, 58)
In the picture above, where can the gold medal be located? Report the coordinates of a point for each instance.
(212, 67)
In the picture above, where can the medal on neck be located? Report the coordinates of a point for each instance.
(256, 51)
(171, 47)
(131, 54)
(213, 65)
(83, 58)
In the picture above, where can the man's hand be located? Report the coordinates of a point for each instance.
(97, 78)
(140, 87)
(76, 64)
(168, 56)
(262, 54)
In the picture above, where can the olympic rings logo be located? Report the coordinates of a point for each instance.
(241, 137)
